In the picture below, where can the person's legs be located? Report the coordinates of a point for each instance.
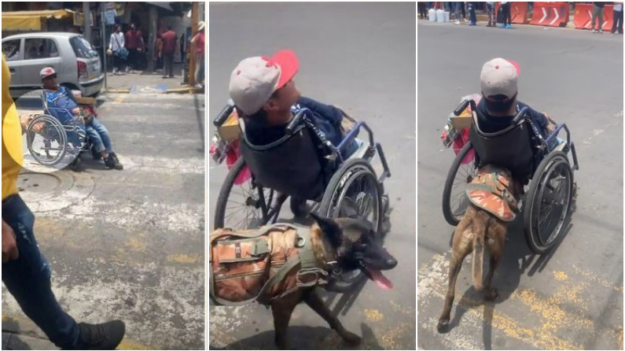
(103, 133)
(620, 22)
(199, 69)
(457, 12)
(489, 12)
(595, 12)
(464, 13)
(601, 20)
(28, 279)
(508, 14)
(472, 16)
(171, 65)
(96, 140)
(614, 22)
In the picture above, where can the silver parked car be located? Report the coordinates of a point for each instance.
(77, 64)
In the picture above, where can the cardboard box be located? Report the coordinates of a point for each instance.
(463, 121)
(230, 130)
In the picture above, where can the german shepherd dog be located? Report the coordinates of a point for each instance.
(477, 229)
(353, 244)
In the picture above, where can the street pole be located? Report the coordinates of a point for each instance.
(103, 36)
(87, 22)
(194, 26)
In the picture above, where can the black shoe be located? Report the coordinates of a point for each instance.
(105, 336)
(299, 207)
(75, 165)
(113, 162)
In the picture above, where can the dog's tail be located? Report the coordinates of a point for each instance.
(480, 227)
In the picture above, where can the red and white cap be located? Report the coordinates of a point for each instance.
(500, 77)
(255, 79)
(46, 72)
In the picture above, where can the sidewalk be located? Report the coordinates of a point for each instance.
(144, 82)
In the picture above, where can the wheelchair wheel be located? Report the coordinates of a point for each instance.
(455, 201)
(242, 206)
(353, 191)
(52, 132)
(548, 202)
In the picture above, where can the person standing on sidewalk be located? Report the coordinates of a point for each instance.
(169, 49)
(472, 17)
(422, 11)
(597, 11)
(198, 42)
(490, 12)
(135, 46)
(507, 18)
(457, 6)
(118, 50)
(618, 18)
(25, 271)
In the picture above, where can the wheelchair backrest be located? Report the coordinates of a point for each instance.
(290, 165)
(511, 148)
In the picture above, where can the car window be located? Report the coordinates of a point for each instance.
(11, 49)
(38, 48)
(82, 48)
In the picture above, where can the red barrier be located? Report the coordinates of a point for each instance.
(518, 12)
(551, 14)
(583, 16)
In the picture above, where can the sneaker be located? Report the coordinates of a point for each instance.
(600, 31)
(457, 22)
(502, 26)
(508, 26)
(472, 24)
(127, 69)
(105, 336)
(113, 162)
(594, 31)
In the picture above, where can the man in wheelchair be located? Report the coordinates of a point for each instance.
(265, 95)
(499, 104)
(57, 95)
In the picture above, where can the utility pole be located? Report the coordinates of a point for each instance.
(194, 26)
(87, 22)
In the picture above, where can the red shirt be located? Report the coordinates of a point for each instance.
(133, 40)
(199, 43)
(169, 42)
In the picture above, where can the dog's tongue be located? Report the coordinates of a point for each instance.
(380, 279)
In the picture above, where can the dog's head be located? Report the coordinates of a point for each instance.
(357, 246)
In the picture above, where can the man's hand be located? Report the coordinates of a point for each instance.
(9, 245)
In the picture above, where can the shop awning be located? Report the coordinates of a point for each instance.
(30, 20)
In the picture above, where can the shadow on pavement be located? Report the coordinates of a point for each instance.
(517, 259)
(306, 338)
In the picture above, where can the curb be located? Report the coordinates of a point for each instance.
(185, 90)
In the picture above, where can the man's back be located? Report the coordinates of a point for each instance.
(169, 41)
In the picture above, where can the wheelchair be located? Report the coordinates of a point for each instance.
(60, 139)
(541, 163)
(302, 164)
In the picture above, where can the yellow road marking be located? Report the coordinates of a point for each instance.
(552, 317)
(592, 276)
(184, 258)
(374, 315)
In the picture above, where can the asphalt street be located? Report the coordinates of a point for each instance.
(571, 298)
(127, 244)
(360, 57)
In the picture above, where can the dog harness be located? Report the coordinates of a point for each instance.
(490, 191)
(262, 265)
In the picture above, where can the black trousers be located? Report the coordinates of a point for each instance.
(618, 18)
(507, 17)
(168, 70)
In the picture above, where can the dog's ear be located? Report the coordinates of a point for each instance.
(330, 229)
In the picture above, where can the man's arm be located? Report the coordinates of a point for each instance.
(328, 112)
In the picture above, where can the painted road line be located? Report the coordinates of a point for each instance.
(545, 319)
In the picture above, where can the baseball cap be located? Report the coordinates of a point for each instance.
(499, 77)
(47, 72)
(255, 79)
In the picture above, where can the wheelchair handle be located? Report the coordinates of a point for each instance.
(223, 115)
(519, 115)
(294, 122)
(463, 105)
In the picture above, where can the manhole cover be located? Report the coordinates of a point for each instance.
(44, 192)
(38, 183)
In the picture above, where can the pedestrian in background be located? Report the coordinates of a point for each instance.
(422, 10)
(118, 50)
(198, 42)
(472, 17)
(457, 11)
(618, 18)
(169, 49)
(490, 12)
(507, 20)
(135, 46)
(597, 11)
(157, 56)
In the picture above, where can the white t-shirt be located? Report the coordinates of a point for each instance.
(117, 41)
(618, 7)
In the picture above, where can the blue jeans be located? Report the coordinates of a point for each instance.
(28, 279)
(458, 10)
(490, 10)
(99, 136)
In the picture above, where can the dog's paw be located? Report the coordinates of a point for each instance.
(490, 294)
(351, 338)
(443, 325)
